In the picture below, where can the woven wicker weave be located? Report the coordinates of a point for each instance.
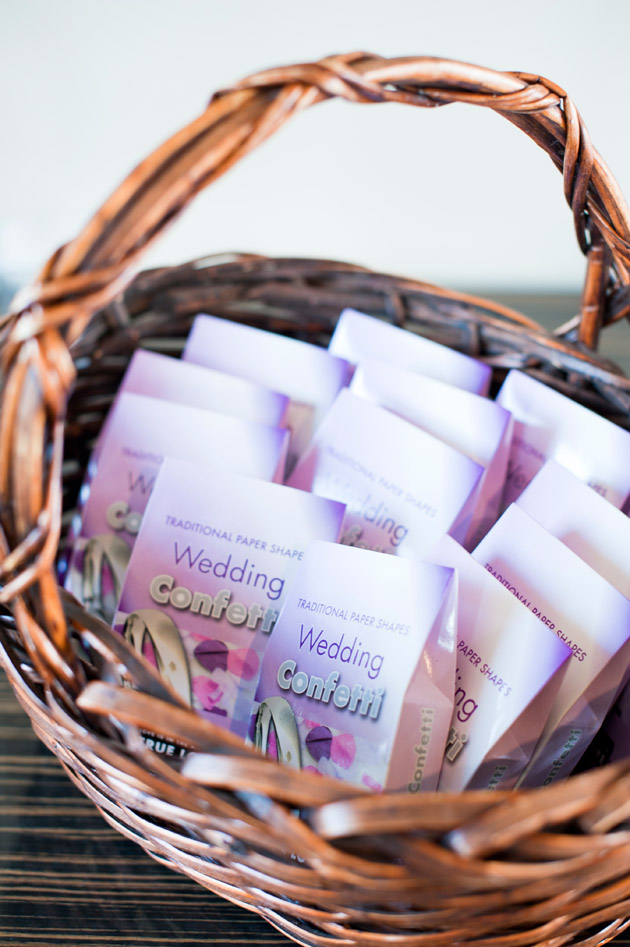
(324, 862)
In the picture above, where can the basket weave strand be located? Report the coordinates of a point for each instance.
(324, 862)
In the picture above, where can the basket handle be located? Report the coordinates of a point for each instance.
(89, 272)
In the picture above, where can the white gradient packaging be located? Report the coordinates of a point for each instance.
(600, 535)
(474, 425)
(207, 577)
(357, 679)
(358, 336)
(550, 426)
(160, 376)
(403, 488)
(141, 432)
(592, 527)
(309, 375)
(585, 611)
(509, 669)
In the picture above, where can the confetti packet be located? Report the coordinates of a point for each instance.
(208, 575)
(357, 679)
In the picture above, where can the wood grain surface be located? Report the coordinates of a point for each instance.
(66, 878)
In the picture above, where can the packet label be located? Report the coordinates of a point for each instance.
(584, 611)
(402, 487)
(207, 578)
(140, 433)
(357, 679)
(509, 669)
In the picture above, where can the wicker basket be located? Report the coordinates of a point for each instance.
(323, 862)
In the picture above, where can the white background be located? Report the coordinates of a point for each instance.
(455, 196)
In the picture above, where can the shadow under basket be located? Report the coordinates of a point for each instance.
(324, 862)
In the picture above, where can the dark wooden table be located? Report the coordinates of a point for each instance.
(66, 878)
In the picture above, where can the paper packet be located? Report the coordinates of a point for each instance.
(403, 488)
(577, 515)
(208, 575)
(471, 424)
(160, 376)
(170, 379)
(309, 375)
(599, 534)
(550, 426)
(140, 433)
(357, 679)
(584, 611)
(358, 336)
(509, 669)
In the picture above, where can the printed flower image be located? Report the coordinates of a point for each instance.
(343, 750)
(210, 694)
(371, 783)
(318, 743)
(243, 663)
(215, 655)
(212, 654)
(323, 745)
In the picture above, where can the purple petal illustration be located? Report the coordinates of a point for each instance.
(212, 654)
(318, 743)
